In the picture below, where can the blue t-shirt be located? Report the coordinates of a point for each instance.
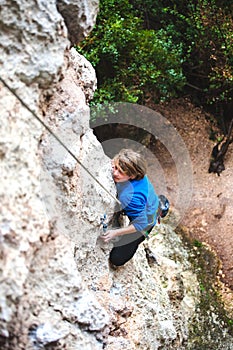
(139, 202)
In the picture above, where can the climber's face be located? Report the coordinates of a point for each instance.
(118, 175)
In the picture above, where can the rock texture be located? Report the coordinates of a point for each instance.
(57, 290)
(79, 17)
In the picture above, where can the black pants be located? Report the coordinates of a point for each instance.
(126, 247)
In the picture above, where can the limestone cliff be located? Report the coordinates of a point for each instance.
(57, 290)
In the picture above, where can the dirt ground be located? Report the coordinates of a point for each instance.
(210, 215)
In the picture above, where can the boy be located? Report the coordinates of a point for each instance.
(139, 202)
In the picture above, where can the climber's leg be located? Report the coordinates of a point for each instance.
(123, 252)
(126, 247)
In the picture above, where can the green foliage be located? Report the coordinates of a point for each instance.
(197, 243)
(152, 49)
(132, 63)
(215, 60)
(205, 29)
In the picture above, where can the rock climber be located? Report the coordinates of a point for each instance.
(139, 202)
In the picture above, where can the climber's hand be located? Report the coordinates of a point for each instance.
(110, 234)
(107, 236)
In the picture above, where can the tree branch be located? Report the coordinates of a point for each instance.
(194, 87)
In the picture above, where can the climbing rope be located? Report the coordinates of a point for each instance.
(58, 139)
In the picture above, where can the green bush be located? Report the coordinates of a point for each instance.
(152, 49)
(132, 63)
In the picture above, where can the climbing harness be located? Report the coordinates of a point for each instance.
(145, 234)
(57, 138)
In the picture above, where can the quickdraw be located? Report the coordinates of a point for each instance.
(104, 223)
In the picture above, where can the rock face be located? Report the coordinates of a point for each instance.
(57, 290)
(79, 17)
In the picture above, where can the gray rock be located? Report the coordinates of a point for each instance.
(79, 17)
(87, 312)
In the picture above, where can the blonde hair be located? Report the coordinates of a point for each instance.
(130, 163)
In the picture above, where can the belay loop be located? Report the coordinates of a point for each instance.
(163, 208)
